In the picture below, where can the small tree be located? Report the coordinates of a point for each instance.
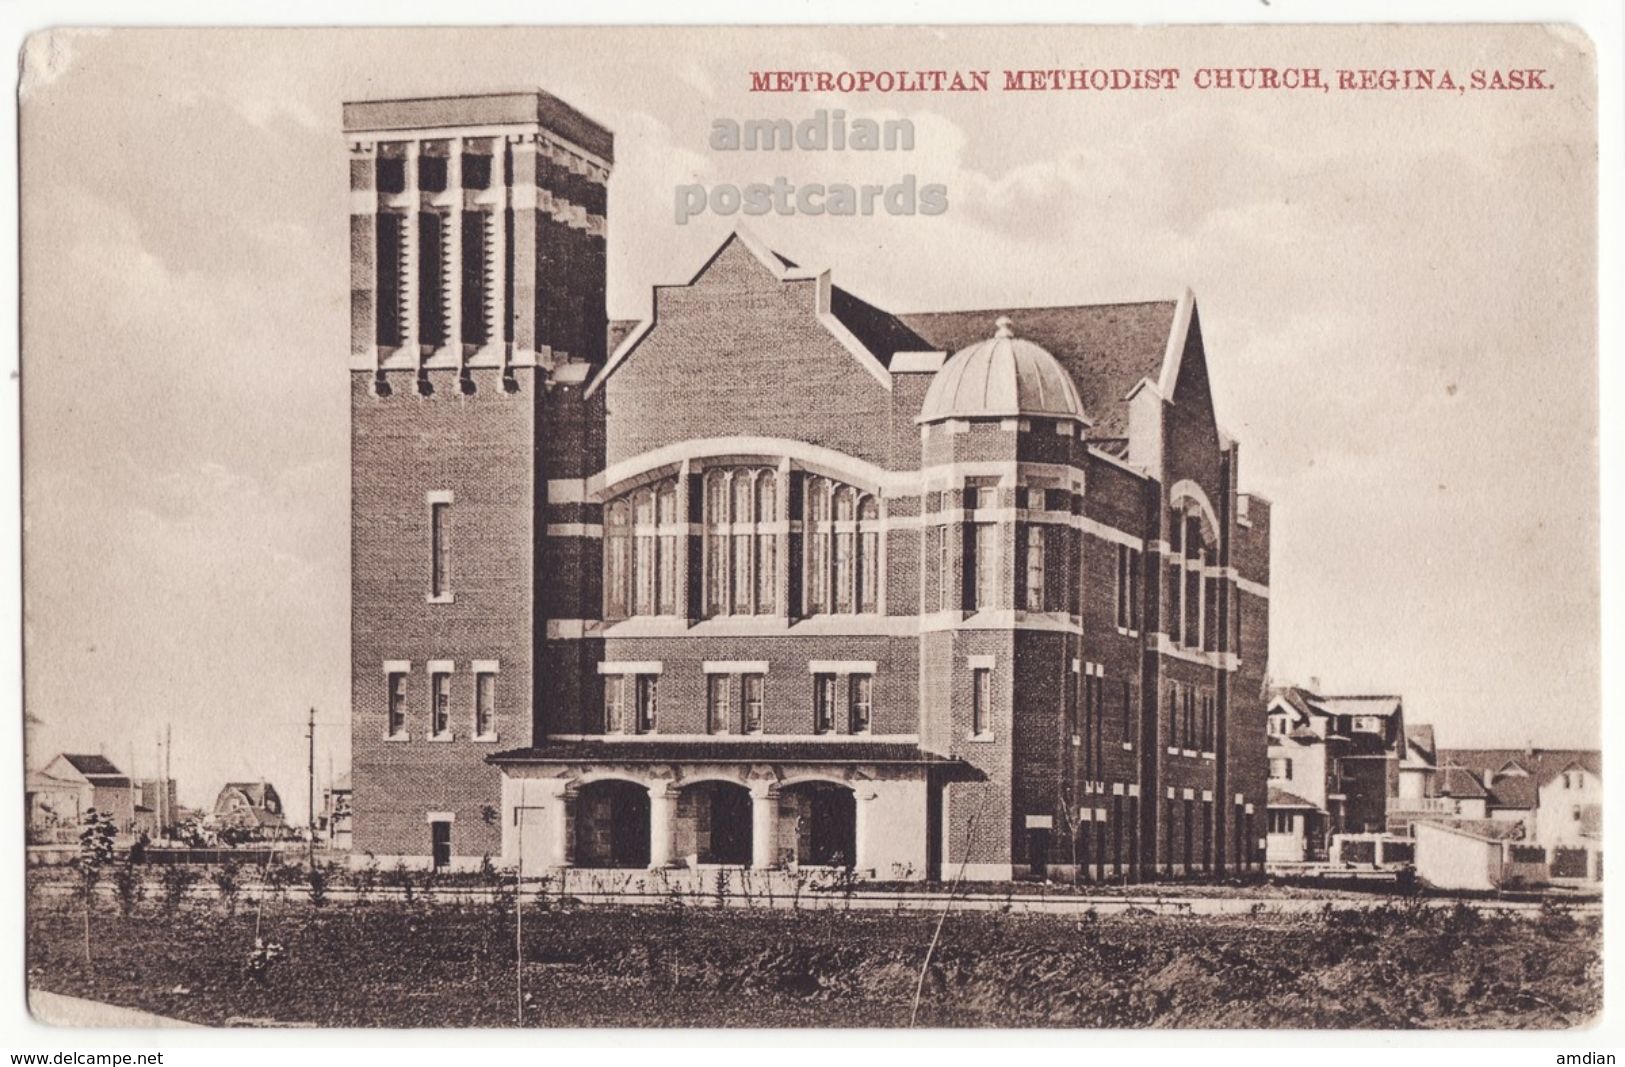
(177, 880)
(96, 836)
(229, 882)
(129, 887)
(319, 879)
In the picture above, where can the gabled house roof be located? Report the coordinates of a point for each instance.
(1419, 740)
(1460, 783)
(1541, 764)
(1287, 801)
(97, 770)
(254, 792)
(1107, 349)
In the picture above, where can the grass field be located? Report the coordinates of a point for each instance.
(452, 965)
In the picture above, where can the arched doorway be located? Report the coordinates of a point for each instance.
(825, 817)
(715, 822)
(612, 824)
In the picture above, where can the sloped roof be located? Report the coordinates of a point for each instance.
(1420, 736)
(1460, 783)
(1484, 829)
(254, 791)
(1281, 798)
(1002, 375)
(93, 766)
(1543, 764)
(1384, 705)
(1515, 791)
(1106, 348)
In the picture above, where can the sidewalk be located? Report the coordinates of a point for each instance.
(54, 1009)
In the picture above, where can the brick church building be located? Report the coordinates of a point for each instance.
(775, 577)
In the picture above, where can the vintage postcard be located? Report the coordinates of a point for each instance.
(1035, 526)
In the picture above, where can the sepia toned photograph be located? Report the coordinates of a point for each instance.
(1018, 527)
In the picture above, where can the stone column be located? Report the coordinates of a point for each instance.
(661, 802)
(862, 797)
(558, 829)
(764, 826)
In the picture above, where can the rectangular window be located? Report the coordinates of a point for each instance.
(1071, 707)
(985, 588)
(869, 572)
(717, 702)
(440, 548)
(1193, 608)
(1173, 716)
(823, 703)
(752, 688)
(473, 291)
(981, 701)
(397, 704)
(614, 703)
(1280, 767)
(1128, 710)
(390, 239)
(1176, 604)
(440, 704)
(1074, 591)
(1034, 536)
(860, 701)
(431, 295)
(485, 704)
(945, 577)
(647, 708)
(1122, 586)
(1134, 589)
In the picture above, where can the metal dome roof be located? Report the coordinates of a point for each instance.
(1002, 377)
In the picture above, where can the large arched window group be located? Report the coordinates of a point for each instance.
(741, 555)
(1194, 615)
(841, 559)
(640, 552)
(757, 539)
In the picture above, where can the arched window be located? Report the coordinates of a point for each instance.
(1192, 619)
(741, 553)
(842, 549)
(640, 552)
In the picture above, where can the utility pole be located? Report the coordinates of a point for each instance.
(310, 785)
(169, 783)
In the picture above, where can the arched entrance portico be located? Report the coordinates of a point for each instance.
(825, 819)
(714, 823)
(612, 824)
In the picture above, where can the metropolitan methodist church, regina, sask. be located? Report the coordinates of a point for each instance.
(775, 578)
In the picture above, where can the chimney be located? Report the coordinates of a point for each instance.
(1314, 684)
(1489, 777)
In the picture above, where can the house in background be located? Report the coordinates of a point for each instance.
(1340, 764)
(251, 807)
(1555, 794)
(334, 820)
(60, 793)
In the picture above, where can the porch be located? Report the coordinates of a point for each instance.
(751, 805)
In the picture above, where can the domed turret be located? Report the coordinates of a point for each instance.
(1002, 377)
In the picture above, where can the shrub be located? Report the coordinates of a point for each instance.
(129, 888)
(228, 881)
(365, 880)
(319, 879)
(262, 957)
(401, 878)
(176, 880)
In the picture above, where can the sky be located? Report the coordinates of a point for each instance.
(1396, 288)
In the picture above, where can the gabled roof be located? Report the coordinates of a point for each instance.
(1420, 737)
(254, 791)
(1543, 764)
(1514, 791)
(92, 766)
(1108, 349)
(1460, 783)
(1281, 798)
(1383, 705)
